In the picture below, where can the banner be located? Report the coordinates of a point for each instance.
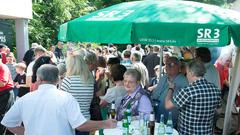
(6, 33)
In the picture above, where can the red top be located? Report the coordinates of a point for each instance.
(5, 76)
(223, 72)
(4, 57)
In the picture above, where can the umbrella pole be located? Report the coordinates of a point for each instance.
(160, 63)
(234, 84)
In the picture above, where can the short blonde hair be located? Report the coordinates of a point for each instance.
(76, 66)
(21, 65)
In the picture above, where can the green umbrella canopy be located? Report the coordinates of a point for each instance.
(166, 22)
(62, 35)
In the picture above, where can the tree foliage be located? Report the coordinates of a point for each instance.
(105, 3)
(48, 15)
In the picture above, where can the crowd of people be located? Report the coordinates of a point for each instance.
(66, 92)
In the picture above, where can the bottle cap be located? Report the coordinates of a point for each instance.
(113, 106)
(162, 118)
(152, 117)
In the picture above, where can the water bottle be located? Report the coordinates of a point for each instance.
(161, 127)
(141, 119)
(145, 129)
(143, 122)
(169, 125)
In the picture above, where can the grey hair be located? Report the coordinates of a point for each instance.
(156, 48)
(62, 68)
(48, 73)
(34, 45)
(90, 57)
(134, 73)
(196, 67)
(40, 49)
(137, 56)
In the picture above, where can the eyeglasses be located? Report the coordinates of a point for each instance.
(170, 65)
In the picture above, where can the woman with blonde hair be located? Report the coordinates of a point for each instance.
(80, 83)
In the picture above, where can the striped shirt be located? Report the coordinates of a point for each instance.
(81, 91)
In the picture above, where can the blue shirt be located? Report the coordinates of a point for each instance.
(144, 105)
(160, 94)
(139, 103)
(126, 63)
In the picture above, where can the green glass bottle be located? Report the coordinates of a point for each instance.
(161, 127)
(125, 126)
(112, 111)
(128, 113)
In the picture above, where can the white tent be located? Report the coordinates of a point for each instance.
(234, 84)
(20, 11)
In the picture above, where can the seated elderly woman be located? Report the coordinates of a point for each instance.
(135, 96)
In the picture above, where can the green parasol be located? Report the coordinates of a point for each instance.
(62, 35)
(165, 22)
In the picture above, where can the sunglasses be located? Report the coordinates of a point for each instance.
(170, 65)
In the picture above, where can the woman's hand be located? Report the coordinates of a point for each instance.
(100, 73)
(152, 88)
